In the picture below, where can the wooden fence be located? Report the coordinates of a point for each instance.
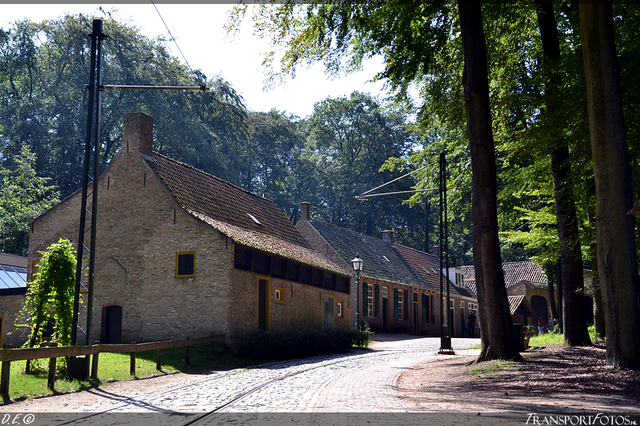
(8, 355)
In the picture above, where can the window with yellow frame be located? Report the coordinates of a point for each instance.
(186, 264)
(279, 295)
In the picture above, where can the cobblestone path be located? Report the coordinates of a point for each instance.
(358, 382)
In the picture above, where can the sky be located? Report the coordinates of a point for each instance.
(198, 30)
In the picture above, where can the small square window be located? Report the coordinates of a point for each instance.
(186, 264)
(339, 309)
(279, 295)
(384, 292)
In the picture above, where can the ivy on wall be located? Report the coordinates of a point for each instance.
(50, 296)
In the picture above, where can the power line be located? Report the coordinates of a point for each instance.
(173, 39)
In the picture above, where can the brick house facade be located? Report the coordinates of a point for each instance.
(394, 296)
(182, 253)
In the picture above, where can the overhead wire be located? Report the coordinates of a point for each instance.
(174, 40)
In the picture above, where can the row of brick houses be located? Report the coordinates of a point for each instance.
(180, 253)
(399, 286)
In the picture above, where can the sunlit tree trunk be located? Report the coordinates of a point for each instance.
(496, 326)
(617, 267)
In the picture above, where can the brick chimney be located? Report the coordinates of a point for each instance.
(305, 210)
(137, 133)
(435, 250)
(387, 236)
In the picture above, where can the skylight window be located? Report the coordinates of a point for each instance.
(385, 258)
(254, 218)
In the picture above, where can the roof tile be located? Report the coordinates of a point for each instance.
(246, 218)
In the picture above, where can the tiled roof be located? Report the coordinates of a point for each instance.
(381, 260)
(427, 266)
(514, 273)
(246, 218)
(516, 301)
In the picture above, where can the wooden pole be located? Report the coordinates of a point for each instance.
(187, 356)
(94, 366)
(4, 378)
(159, 360)
(132, 365)
(51, 381)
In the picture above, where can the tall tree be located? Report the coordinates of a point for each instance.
(496, 327)
(23, 196)
(348, 142)
(410, 37)
(617, 265)
(43, 71)
(574, 324)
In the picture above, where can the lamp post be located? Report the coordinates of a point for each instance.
(357, 266)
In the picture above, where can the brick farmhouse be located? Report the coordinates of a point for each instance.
(180, 253)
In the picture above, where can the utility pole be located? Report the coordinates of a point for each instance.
(92, 166)
(92, 146)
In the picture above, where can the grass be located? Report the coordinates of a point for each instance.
(554, 338)
(115, 367)
(481, 372)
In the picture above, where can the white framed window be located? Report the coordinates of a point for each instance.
(369, 300)
(339, 309)
(400, 311)
(385, 293)
(279, 296)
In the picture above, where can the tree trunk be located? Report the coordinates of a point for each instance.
(427, 227)
(498, 339)
(617, 267)
(600, 308)
(574, 320)
(552, 298)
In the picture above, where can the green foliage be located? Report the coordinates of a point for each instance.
(50, 296)
(43, 71)
(288, 345)
(348, 142)
(421, 47)
(23, 197)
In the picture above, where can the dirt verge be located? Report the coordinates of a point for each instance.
(554, 378)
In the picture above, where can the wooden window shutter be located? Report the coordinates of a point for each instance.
(405, 311)
(395, 303)
(365, 299)
(377, 301)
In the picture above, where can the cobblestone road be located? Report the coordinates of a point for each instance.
(359, 388)
(363, 381)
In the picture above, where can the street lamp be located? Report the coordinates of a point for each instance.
(357, 266)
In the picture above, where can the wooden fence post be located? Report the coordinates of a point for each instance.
(51, 381)
(132, 366)
(159, 360)
(4, 378)
(94, 366)
(187, 356)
